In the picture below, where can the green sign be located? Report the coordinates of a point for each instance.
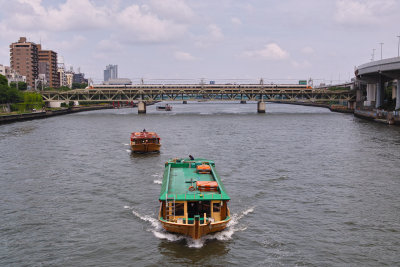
(303, 82)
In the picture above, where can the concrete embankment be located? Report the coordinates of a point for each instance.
(381, 116)
(46, 114)
(333, 108)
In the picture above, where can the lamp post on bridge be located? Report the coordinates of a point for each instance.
(381, 49)
(398, 46)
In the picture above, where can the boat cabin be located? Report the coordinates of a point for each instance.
(144, 138)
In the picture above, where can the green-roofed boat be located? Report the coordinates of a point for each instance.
(193, 199)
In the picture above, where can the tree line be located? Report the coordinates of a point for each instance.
(9, 94)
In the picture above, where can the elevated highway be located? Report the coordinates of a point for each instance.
(376, 74)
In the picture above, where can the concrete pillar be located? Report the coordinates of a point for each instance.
(371, 94)
(261, 107)
(142, 107)
(398, 95)
(380, 93)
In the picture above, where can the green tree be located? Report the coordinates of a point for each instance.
(79, 85)
(3, 80)
(64, 88)
(7, 94)
(21, 85)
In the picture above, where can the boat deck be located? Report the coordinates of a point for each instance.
(180, 176)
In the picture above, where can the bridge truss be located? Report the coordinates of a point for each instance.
(199, 92)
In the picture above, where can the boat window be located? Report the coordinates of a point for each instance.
(179, 209)
(216, 207)
(199, 208)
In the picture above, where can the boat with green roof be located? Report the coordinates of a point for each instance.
(193, 199)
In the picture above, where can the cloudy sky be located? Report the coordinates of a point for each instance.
(280, 41)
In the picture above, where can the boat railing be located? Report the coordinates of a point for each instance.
(168, 175)
(215, 177)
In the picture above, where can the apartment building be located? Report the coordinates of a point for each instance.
(50, 58)
(24, 60)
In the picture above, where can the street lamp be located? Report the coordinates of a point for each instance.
(398, 46)
(381, 49)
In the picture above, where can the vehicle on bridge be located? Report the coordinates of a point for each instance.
(144, 142)
(193, 199)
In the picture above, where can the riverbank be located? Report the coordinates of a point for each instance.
(380, 116)
(46, 114)
(333, 108)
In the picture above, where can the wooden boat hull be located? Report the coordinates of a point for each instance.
(145, 148)
(195, 230)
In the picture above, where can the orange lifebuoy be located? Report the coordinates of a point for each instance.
(191, 188)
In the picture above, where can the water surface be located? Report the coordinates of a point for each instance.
(309, 188)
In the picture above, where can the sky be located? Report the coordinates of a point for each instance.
(222, 40)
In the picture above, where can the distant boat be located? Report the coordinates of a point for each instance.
(165, 107)
(142, 142)
(193, 199)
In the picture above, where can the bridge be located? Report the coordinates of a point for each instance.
(143, 93)
(376, 74)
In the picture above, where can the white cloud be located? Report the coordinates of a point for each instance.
(176, 10)
(307, 50)
(71, 44)
(133, 23)
(270, 51)
(109, 46)
(236, 21)
(138, 26)
(71, 15)
(301, 65)
(184, 56)
(213, 36)
(367, 12)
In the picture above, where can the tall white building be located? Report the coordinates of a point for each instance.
(111, 72)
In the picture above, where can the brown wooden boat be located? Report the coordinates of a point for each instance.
(193, 199)
(143, 142)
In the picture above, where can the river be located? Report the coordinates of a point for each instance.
(308, 187)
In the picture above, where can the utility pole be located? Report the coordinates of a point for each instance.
(373, 54)
(381, 49)
(398, 46)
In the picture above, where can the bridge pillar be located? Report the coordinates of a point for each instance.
(142, 107)
(371, 94)
(261, 107)
(398, 95)
(380, 93)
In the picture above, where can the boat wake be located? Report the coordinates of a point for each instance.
(158, 181)
(226, 234)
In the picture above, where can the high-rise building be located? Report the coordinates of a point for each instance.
(49, 57)
(111, 72)
(79, 78)
(24, 60)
